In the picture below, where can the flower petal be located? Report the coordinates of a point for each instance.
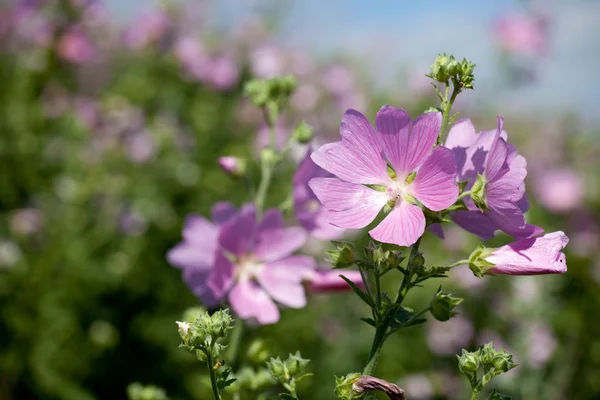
(248, 300)
(221, 276)
(338, 195)
(511, 220)
(402, 226)
(393, 126)
(237, 234)
(462, 134)
(272, 219)
(275, 244)
(435, 184)
(197, 281)
(296, 268)
(330, 281)
(282, 286)
(423, 135)
(186, 255)
(475, 222)
(496, 158)
(437, 230)
(199, 231)
(222, 211)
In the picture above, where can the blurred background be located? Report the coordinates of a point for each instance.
(113, 115)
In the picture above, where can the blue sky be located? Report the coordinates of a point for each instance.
(385, 34)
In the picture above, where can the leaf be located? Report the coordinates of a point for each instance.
(364, 296)
(307, 375)
(287, 396)
(433, 272)
(499, 396)
(369, 321)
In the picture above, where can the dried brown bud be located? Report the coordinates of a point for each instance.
(368, 383)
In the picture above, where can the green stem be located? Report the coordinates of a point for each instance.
(265, 180)
(446, 107)
(213, 376)
(381, 333)
(459, 262)
(464, 194)
(475, 395)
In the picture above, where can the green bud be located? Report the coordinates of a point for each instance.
(342, 256)
(295, 364)
(478, 192)
(258, 92)
(257, 351)
(442, 304)
(468, 362)
(453, 67)
(269, 156)
(477, 262)
(277, 369)
(137, 391)
(343, 387)
(503, 362)
(184, 330)
(487, 354)
(221, 323)
(303, 133)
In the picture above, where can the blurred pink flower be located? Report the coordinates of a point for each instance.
(522, 34)
(338, 80)
(190, 53)
(417, 386)
(140, 147)
(222, 72)
(230, 164)
(535, 256)
(322, 281)
(449, 337)
(360, 158)
(86, 111)
(560, 190)
(28, 24)
(267, 61)
(75, 47)
(26, 221)
(305, 98)
(147, 28)
(541, 343)
(308, 210)
(282, 133)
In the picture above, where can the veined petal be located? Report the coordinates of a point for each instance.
(402, 226)
(393, 128)
(496, 158)
(249, 300)
(462, 134)
(435, 184)
(475, 222)
(423, 135)
(338, 195)
(511, 220)
(221, 276)
(275, 244)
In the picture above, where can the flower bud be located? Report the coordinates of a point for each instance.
(487, 354)
(183, 328)
(477, 262)
(269, 156)
(468, 362)
(478, 192)
(257, 351)
(277, 369)
(342, 256)
(258, 91)
(503, 362)
(295, 364)
(233, 165)
(344, 387)
(303, 133)
(442, 304)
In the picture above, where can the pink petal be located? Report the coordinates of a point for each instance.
(423, 135)
(199, 231)
(475, 222)
(272, 219)
(393, 126)
(402, 226)
(237, 234)
(511, 220)
(221, 276)
(435, 184)
(540, 255)
(437, 230)
(496, 158)
(197, 281)
(275, 244)
(330, 281)
(462, 134)
(296, 268)
(282, 286)
(222, 211)
(248, 300)
(186, 255)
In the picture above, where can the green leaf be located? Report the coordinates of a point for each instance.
(369, 321)
(364, 296)
(499, 396)
(307, 375)
(433, 272)
(287, 396)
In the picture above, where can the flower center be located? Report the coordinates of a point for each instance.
(395, 191)
(248, 267)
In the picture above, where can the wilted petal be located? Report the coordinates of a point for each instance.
(475, 222)
(402, 226)
(510, 219)
(541, 255)
(249, 300)
(221, 276)
(435, 184)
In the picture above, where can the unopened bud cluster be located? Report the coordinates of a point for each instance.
(137, 391)
(290, 371)
(493, 363)
(205, 333)
(303, 133)
(263, 91)
(446, 68)
(385, 260)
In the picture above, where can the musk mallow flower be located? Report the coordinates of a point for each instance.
(364, 183)
(533, 256)
(324, 280)
(560, 190)
(308, 210)
(496, 174)
(256, 267)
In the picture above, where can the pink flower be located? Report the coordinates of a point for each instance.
(75, 47)
(560, 190)
(232, 165)
(360, 159)
(307, 209)
(535, 256)
(488, 154)
(522, 34)
(147, 28)
(330, 281)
